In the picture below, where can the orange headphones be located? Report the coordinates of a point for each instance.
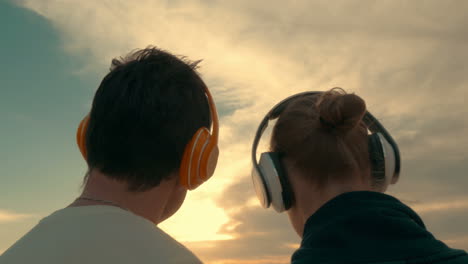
(200, 155)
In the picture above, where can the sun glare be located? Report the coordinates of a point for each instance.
(197, 220)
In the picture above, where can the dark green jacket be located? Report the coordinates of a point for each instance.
(371, 227)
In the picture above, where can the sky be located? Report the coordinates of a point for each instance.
(406, 59)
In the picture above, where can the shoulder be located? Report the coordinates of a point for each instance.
(110, 234)
(144, 238)
(165, 247)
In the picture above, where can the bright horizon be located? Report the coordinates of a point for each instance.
(407, 60)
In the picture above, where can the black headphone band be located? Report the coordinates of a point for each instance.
(371, 122)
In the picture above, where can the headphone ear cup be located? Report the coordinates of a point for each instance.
(196, 163)
(382, 158)
(286, 189)
(390, 160)
(81, 136)
(272, 173)
(377, 159)
(260, 186)
(209, 160)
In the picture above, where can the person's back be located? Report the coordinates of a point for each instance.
(146, 142)
(371, 227)
(97, 234)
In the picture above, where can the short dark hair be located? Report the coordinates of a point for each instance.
(144, 112)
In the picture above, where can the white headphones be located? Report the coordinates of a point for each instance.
(269, 179)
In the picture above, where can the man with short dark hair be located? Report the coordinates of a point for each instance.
(146, 141)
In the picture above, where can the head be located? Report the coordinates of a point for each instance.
(323, 143)
(144, 113)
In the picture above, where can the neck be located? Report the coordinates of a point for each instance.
(323, 196)
(149, 204)
(308, 202)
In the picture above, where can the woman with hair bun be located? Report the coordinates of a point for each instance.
(323, 170)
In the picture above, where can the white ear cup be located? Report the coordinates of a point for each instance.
(260, 188)
(272, 181)
(389, 156)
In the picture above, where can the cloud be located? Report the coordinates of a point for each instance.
(456, 204)
(7, 216)
(406, 59)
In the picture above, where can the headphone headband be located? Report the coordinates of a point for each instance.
(200, 156)
(271, 115)
(371, 122)
(201, 153)
(214, 117)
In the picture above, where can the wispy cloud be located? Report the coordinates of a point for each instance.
(8, 216)
(455, 204)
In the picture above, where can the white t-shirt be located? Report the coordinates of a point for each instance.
(96, 234)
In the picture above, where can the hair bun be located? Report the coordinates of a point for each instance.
(340, 112)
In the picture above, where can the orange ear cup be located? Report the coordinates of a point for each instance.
(208, 163)
(199, 160)
(81, 135)
(190, 165)
(201, 153)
